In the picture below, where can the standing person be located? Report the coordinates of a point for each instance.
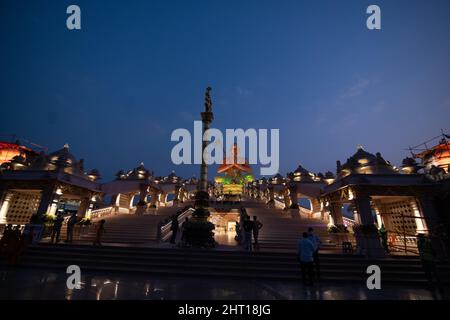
(56, 231)
(174, 227)
(99, 233)
(427, 255)
(13, 246)
(7, 233)
(183, 232)
(384, 238)
(248, 230)
(315, 240)
(257, 225)
(306, 250)
(70, 226)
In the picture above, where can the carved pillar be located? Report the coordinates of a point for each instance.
(176, 198)
(287, 200)
(141, 206)
(46, 201)
(5, 200)
(271, 201)
(336, 213)
(84, 206)
(367, 237)
(154, 197)
(315, 205)
(432, 222)
(293, 197)
(362, 204)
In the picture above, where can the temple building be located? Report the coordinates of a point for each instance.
(34, 183)
(234, 174)
(45, 184)
(365, 194)
(405, 201)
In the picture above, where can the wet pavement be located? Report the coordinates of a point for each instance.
(27, 284)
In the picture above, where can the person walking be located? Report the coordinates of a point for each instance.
(248, 230)
(99, 233)
(257, 225)
(70, 226)
(427, 256)
(305, 249)
(317, 243)
(174, 227)
(56, 230)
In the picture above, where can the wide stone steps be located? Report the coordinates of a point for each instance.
(126, 228)
(188, 262)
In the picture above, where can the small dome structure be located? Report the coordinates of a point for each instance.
(62, 157)
(93, 175)
(363, 162)
(301, 174)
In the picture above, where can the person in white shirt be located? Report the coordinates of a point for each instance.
(317, 243)
(306, 250)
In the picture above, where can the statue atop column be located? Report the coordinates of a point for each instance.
(198, 230)
(208, 101)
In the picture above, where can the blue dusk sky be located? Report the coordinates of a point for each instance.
(137, 70)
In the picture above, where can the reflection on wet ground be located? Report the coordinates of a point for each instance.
(50, 284)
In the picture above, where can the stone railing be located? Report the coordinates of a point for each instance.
(279, 204)
(102, 212)
(164, 227)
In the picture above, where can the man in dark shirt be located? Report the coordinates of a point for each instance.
(257, 225)
(248, 230)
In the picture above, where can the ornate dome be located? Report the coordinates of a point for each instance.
(301, 174)
(363, 162)
(409, 165)
(172, 177)
(139, 172)
(62, 157)
(278, 178)
(94, 174)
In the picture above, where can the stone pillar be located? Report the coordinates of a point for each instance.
(362, 204)
(177, 196)
(46, 201)
(154, 200)
(432, 221)
(336, 213)
(271, 201)
(315, 205)
(367, 237)
(84, 206)
(141, 206)
(293, 197)
(287, 200)
(5, 200)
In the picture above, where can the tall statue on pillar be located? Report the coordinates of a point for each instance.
(198, 231)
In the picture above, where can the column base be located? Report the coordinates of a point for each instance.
(369, 244)
(198, 232)
(140, 210)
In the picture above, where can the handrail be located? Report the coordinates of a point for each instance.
(164, 231)
(102, 212)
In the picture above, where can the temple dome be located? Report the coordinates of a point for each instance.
(62, 157)
(94, 175)
(301, 174)
(363, 162)
(172, 177)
